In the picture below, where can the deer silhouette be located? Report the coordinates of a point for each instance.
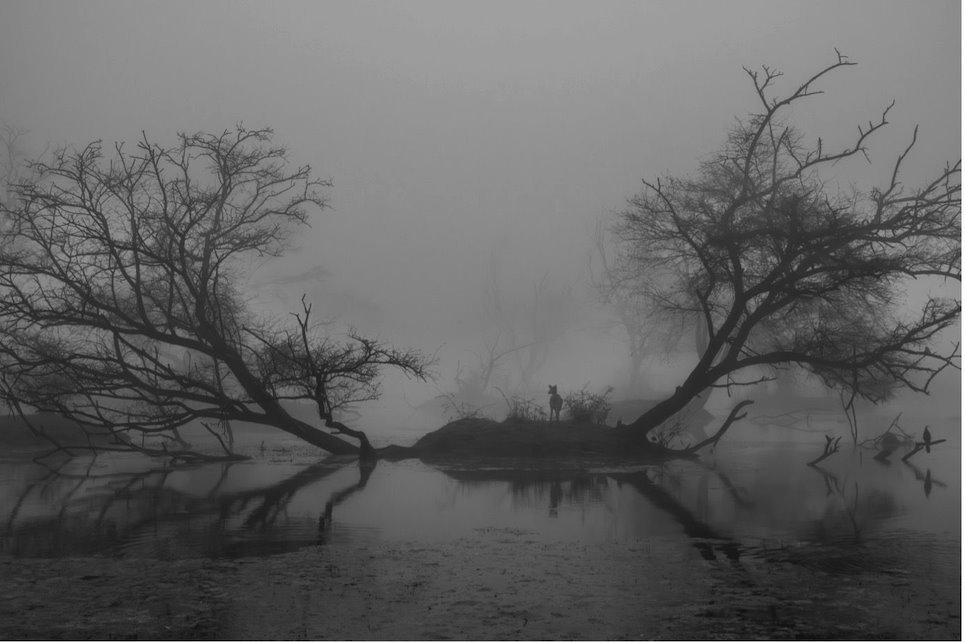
(556, 403)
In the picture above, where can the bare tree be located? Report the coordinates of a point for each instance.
(302, 364)
(547, 315)
(473, 393)
(785, 270)
(121, 302)
(524, 329)
(11, 159)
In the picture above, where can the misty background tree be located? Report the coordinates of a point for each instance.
(624, 290)
(11, 158)
(784, 267)
(123, 304)
(522, 327)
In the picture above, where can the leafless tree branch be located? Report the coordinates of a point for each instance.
(786, 270)
(121, 300)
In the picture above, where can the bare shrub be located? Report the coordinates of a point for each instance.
(524, 410)
(459, 410)
(584, 406)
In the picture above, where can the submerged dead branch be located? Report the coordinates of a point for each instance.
(830, 448)
(927, 445)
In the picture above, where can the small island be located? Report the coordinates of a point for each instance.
(485, 438)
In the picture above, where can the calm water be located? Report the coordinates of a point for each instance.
(740, 501)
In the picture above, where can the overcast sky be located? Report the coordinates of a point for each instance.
(456, 132)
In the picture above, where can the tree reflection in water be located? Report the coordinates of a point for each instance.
(556, 488)
(928, 482)
(532, 487)
(140, 513)
(768, 519)
(727, 509)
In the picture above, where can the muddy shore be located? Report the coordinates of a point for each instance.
(497, 584)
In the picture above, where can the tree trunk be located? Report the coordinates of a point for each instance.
(268, 403)
(663, 411)
(320, 439)
(365, 450)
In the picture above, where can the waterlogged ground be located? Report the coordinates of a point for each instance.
(748, 543)
(496, 584)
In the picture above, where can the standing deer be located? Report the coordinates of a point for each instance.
(556, 403)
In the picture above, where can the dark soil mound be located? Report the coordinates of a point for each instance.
(482, 437)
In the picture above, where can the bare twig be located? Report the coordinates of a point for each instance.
(830, 448)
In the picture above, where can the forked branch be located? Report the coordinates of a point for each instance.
(830, 448)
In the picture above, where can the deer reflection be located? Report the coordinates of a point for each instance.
(553, 489)
(91, 512)
(851, 507)
(556, 489)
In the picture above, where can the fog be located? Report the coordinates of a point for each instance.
(473, 146)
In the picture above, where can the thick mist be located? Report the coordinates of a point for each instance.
(474, 147)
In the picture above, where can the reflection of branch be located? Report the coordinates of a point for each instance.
(124, 492)
(273, 499)
(836, 488)
(830, 480)
(152, 502)
(221, 479)
(920, 477)
(365, 471)
(23, 497)
(830, 448)
(663, 500)
(735, 493)
(581, 482)
(693, 527)
(852, 511)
